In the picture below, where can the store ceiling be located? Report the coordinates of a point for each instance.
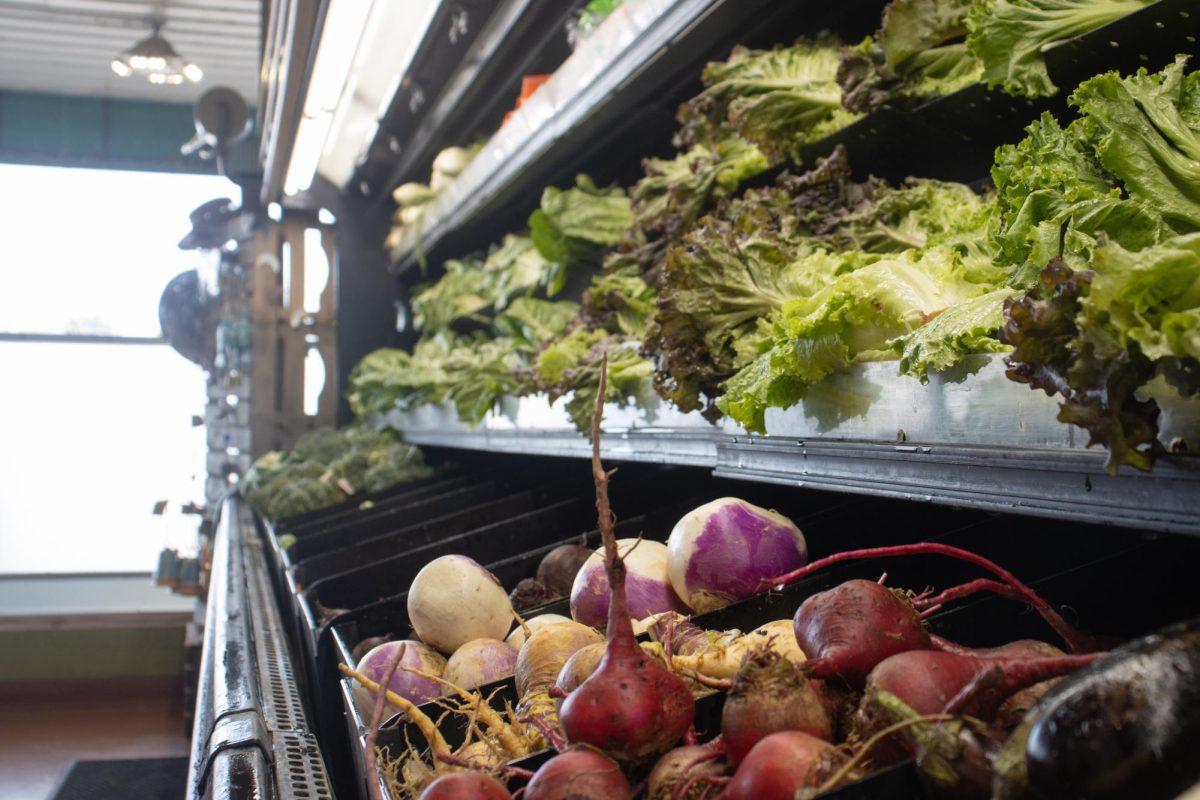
(66, 46)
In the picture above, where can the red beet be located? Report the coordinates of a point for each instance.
(1021, 648)
(850, 628)
(769, 695)
(466, 786)
(631, 707)
(1008, 586)
(698, 767)
(781, 765)
(579, 774)
(930, 682)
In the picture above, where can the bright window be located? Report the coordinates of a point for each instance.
(92, 434)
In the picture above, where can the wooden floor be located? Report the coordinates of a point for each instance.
(44, 728)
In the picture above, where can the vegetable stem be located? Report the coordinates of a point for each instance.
(1075, 640)
(376, 719)
(437, 744)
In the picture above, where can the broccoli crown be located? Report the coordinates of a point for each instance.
(322, 445)
(352, 467)
(300, 496)
(385, 476)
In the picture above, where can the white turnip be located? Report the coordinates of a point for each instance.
(454, 600)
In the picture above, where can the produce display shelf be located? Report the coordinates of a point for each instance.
(968, 437)
(519, 37)
(251, 736)
(951, 137)
(635, 58)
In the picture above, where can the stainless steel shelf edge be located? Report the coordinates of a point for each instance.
(251, 736)
(1051, 483)
(968, 437)
(625, 45)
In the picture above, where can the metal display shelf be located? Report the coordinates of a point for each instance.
(969, 437)
(956, 134)
(637, 57)
(251, 736)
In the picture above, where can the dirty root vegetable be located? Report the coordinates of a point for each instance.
(1008, 585)
(411, 687)
(480, 661)
(850, 628)
(781, 765)
(953, 756)
(465, 786)
(770, 694)
(559, 567)
(540, 660)
(631, 707)
(647, 587)
(1126, 726)
(533, 624)
(720, 552)
(531, 593)
(578, 774)
(931, 682)
(696, 767)
(580, 666)
(454, 600)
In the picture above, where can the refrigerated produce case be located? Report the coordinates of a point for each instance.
(867, 458)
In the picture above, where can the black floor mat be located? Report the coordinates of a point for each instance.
(130, 779)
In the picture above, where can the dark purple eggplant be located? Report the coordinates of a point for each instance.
(1126, 726)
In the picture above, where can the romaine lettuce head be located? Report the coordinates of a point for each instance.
(1009, 36)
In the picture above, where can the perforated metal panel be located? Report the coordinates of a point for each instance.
(251, 738)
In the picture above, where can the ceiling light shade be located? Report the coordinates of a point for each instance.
(154, 59)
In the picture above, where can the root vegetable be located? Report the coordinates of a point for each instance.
(932, 682)
(559, 567)
(1012, 587)
(454, 600)
(850, 628)
(411, 687)
(579, 667)
(1028, 648)
(579, 774)
(720, 552)
(531, 593)
(466, 786)
(769, 695)
(781, 765)
(533, 624)
(688, 773)
(480, 661)
(540, 660)
(648, 588)
(631, 707)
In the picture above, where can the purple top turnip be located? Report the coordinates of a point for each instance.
(721, 552)
(646, 584)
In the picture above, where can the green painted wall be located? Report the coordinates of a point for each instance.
(114, 653)
(70, 131)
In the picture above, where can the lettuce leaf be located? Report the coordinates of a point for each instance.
(1096, 338)
(531, 322)
(1009, 36)
(963, 328)
(851, 319)
(778, 99)
(675, 192)
(1146, 142)
(572, 366)
(619, 302)
(463, 292)
(574, 223)
(918, 52)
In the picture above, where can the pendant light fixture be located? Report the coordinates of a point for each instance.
(156, 60)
